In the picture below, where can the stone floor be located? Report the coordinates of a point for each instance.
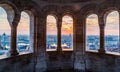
(61, 70)
(67, 70)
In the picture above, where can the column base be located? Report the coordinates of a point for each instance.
(13, 53)
(59, 49)
(101, 51)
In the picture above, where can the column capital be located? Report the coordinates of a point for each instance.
(14, 24)
(59, 23)
(101, 51)
(16, 20)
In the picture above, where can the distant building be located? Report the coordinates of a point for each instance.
(1, 48)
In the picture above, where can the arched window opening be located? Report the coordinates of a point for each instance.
(5, 32)
(92, 33)
(51, 33)
(67, 33)
(112, 32)
(25, 31)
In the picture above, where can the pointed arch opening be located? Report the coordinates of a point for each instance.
(5, 32)
(112, 39)
(92, 33)
(67, 33)
(25, 32)
(51, 33)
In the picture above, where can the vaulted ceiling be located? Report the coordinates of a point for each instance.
(65, 1)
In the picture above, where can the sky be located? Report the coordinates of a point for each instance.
(51, 25)
(92, 28)
(112, 24)
(111, 28)
(4, 25)
(67, 25)
(23, 26)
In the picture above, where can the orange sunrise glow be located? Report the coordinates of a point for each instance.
(67, 25)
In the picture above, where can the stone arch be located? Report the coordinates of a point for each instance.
(68, 10)
(13, 13)
(92, 28)
(107, 11)
(50, 26)
(51, 9)
(54, 15)
(81, 19)
(32, 10)
(48, 10)
(32, 28)
(31, 7)
(107, 6)
(85, 24)
(13, 17)
(88, 9)
(69, 13)
(70, 32)
(112, 28)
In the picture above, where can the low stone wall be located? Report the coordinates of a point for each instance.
(20, 63)
(63, 60)
(102, 63)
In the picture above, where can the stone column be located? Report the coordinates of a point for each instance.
(40, 51)
(59, 25)
(102, 37)
(79, 53)
(13, 49)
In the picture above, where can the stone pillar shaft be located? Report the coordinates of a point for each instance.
(13, 50)
(59, 25)
(102, 36)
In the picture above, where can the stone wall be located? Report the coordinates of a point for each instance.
(21, 63)
(102, 63)
(58, 61)
(77, 59)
